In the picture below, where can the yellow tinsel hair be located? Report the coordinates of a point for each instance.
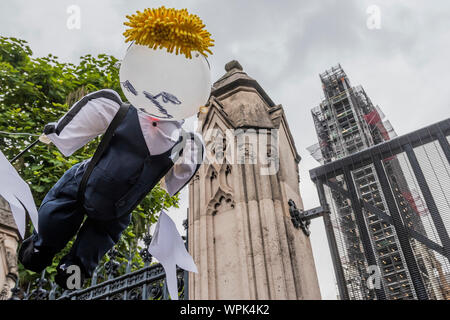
(176, 30)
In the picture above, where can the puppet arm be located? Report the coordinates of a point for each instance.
(185, 166)
(85, 120)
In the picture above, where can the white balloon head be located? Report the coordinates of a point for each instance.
(164, 85)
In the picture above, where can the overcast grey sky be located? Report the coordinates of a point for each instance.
(404, 66)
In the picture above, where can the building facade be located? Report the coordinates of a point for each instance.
(347, 122)
(240, 231)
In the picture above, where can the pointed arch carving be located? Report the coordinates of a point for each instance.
(225, 177)
(222, 201)
(212, 182)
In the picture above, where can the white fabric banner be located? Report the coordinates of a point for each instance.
(168, 248)
(18, 194)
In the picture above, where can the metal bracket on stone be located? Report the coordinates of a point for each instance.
(302, 219)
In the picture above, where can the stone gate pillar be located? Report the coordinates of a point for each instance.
(9, 238)
(240, 231)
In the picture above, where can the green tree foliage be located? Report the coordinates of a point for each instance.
(36, 91)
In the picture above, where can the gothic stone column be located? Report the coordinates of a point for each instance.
(240, 232)
(9, 238)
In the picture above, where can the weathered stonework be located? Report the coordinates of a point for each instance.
(9, 238)
(240, 232)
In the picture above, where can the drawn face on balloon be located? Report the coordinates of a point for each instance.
(164, 85)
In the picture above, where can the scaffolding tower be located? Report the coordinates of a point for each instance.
(347, 122)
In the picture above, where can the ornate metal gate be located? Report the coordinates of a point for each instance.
(389, 222)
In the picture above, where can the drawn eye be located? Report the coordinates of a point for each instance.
(127, 85)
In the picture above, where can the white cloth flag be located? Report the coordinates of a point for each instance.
(168, 247)
(18, 194)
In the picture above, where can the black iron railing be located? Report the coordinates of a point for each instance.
(147, 283)
(390, 211)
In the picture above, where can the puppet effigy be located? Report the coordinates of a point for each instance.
(166, 78)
